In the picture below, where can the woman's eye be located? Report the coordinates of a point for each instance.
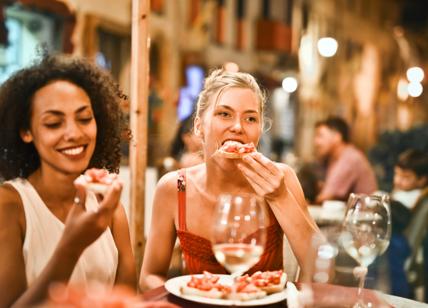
(86, 120)
(53, 125)
(252, 119)
(223, 114)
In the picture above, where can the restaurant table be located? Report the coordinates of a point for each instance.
(324, 216)
(343, 294)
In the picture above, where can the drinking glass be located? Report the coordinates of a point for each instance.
(239, 234)
(366, 232)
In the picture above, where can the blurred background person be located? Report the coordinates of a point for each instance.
(409, 215)
(186, 147)
(346, 167)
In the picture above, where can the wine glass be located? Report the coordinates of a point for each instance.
(239, 233)
(366, 232)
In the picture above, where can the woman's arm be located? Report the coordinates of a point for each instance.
(13, 281)
(126, 272)
(279, 185)
(82, 228)
(162, 235)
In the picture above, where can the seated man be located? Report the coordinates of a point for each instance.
(348, 170)
(410, 189)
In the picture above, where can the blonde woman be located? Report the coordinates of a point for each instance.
(230, 107)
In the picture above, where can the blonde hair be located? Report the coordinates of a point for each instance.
(220, 80)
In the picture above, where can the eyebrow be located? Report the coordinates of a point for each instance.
(60, 113)
(230, 108)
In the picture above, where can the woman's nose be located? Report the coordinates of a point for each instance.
(72, 130)
(237, 126)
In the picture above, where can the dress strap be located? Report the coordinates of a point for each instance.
(181, 188)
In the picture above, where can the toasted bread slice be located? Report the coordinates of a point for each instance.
(246, 296)
(96, 180)
(213, 293)
(97, 188)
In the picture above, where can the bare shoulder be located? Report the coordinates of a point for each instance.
(167, 183)
(165, 196)
(9, 197)
(11, 209)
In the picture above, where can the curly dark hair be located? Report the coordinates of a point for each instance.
(19, 159)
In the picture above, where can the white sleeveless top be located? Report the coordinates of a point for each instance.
(98, 262)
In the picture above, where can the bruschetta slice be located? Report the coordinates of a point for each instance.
(269, 281)
(235, 149)
(205, 285)
(97, 180)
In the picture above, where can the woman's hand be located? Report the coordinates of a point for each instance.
(83, 227)
(62, 295)
(266, 178)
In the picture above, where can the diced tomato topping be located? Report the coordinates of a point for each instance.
(206, 282)
(237, 147)
(260, 282)
(244, 278)
(245, 287)
(261, 279)
(95, 175)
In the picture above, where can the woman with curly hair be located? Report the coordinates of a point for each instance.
(58, 118)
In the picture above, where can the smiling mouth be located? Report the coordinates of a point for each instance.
(73, 151)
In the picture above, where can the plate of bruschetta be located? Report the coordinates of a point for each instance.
(258, 289)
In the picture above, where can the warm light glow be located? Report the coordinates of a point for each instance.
(415, 74)
(402, 92)
(415, 89)
(327, 46)
(289, 84)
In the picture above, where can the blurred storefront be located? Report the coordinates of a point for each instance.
(376, 42)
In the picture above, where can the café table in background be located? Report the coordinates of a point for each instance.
(328, 213)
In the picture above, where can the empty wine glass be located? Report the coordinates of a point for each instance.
(366, 232)
(239, 233)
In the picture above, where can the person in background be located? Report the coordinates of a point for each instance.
(186, 148)
(59, 117)
(410, 187)
(230, 107)
(347, 168)
(410, 177)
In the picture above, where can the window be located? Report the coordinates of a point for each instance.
(27, 31)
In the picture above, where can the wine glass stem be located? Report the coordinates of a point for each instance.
(360, 272)
(235, 275)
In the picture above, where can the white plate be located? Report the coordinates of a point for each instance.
(173, 286)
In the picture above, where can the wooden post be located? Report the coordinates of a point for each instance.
(138, 122)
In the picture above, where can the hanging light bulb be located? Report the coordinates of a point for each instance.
(415, 74)
(327, 46)
(415, 89)
(289, 84)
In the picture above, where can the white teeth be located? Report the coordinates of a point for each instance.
(73, 151)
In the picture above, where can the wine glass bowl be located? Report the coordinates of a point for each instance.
(239, 233)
